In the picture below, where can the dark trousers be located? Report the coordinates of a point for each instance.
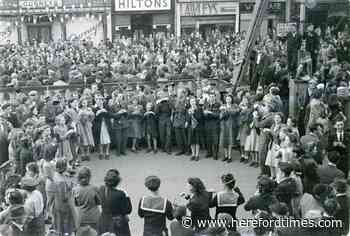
(164, 128)
(180, 137)
(121, 140)
(264, 170)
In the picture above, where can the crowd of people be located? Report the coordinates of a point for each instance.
(46, 136)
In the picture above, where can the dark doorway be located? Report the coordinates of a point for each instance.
(141, 25)
(39, 33)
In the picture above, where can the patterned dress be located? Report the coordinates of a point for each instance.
(64, 147)
(84, 126)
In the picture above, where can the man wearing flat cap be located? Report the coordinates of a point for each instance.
(154, 209)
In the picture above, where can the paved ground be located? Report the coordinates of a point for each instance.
(173, 172)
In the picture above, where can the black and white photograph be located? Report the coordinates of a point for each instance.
(174, 117)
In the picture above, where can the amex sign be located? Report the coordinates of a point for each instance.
(142, 5)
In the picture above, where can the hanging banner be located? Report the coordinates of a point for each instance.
(82, 28)
(8, 33)
(142, 5)
(39, 3)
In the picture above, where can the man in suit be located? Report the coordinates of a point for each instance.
(330, 172)
(339, 141)
(312, 45)
(293, 46)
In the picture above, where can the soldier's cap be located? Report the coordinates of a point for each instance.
(152, 182)
(29, 182)
(285, 167)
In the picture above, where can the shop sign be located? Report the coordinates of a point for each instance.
(208, 8)
(39, 3)
(142, 5)
(8, 33)
(85, 29)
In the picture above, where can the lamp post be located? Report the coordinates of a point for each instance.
(19, 25)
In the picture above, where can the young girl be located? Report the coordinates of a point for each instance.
(135, 118)
(102, 128)
(252, 142)
(194, 123)
(86, 116)
(150, 124)
(228, 113)
(271, 160)
(63, 135)
(243, 127)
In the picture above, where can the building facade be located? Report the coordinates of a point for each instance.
(54, 20)
(141, 18)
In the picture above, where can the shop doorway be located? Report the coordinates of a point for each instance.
(141, 25)
(39, 33)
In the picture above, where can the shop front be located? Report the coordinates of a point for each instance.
(141, 18)
(206, 16)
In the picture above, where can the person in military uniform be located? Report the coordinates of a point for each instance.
(164, 110)
(212, 125)
(155, 209)
(120, 123)
(228, 200)
(180, 116)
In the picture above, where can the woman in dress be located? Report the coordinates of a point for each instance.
(87, 199)
(63, 211)
(228, 115)
(86, 117)
(135, 118)
(116, 206)
(252, 141)
(198, 201)
(63, 135)
(195, 123)
(244, 115)
(102, 128)
(150, 124)
(274, 146)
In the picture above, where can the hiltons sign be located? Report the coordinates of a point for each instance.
(142, 5)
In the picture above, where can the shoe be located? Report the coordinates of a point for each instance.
(188, 153)
(168, 152)
(149, 150)
(246, 161)
(229, 160)
(241, 160)
(197, 158)
(215, 158)
(155, 151)
(133, 150)
(225, 159)
(252, 164)
(192, 158)
(100, 156)
(107, 157)
(180, 153)
(87, 158)
(123, 153)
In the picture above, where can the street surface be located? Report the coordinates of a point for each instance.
(173, 171)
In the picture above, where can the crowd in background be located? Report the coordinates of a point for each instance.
(46, 135)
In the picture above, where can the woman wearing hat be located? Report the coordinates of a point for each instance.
(116, 206)
(34, 205)
(228, 200)
(155, 209)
